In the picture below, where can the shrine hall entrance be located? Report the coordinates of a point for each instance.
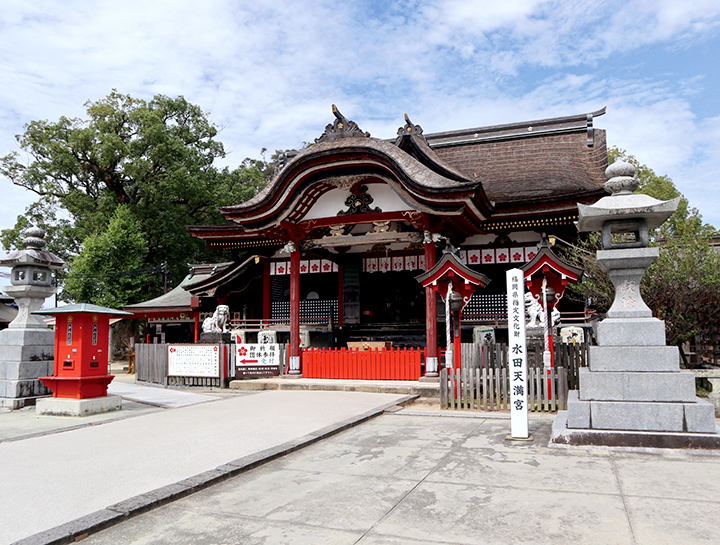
(391, 297)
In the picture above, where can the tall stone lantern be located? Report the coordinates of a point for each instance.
(26, 346)
(633, 392)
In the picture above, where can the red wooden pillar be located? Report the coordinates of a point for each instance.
(197, 326)
(341, 296)
(457, 347)
(431, 358)
(267, 292)
(294, 312)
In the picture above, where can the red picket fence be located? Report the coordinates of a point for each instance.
(383, 364)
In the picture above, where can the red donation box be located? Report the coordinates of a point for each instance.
(81, 351)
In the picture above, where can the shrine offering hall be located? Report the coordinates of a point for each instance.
(330, 252)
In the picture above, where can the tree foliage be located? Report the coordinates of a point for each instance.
(109, 270)
(683, 285)
(153, 159)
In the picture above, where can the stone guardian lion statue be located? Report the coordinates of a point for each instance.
(218, 322)
(534, 311)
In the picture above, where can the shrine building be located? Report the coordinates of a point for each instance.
(331, 248)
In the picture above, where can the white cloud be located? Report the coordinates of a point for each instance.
(267, 71)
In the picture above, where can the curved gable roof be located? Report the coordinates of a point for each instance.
(344, 161)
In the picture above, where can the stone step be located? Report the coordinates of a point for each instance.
(631, 332)
(674, 387)
(697, 416)
(634, 358)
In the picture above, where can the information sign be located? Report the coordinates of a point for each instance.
(194, 360)
(517, 354)
(257, 360)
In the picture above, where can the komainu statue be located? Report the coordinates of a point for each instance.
(218, 322)
(534, 311)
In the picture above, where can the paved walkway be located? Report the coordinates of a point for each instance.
(129, 463)
(158, 396)
(408, 479)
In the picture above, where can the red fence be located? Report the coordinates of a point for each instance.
(384, 364)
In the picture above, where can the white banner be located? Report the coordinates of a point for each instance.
(517, 354)
(194, 360)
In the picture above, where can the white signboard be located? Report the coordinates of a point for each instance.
(194, 360)
(257, 360)
(517, 354)
(257, 354)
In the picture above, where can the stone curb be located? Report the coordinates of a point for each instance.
(429, 390)
(78, 529)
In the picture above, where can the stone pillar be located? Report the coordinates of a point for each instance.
(27, 345)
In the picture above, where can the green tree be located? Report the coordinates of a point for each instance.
(109, 269)
(155, 158)
(682, 286)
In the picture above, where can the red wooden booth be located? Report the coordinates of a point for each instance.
(451, 278)
(81, 351)
(548, 269)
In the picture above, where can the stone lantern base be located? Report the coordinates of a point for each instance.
(635, 394)
(63, 406)
(25, 355)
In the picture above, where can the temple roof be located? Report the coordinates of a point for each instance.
(178, 299)
(477, 179)
(327, 161)
(530, 165)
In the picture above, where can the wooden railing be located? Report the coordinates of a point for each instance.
(383, 364)
(487, 389)
(481, 382)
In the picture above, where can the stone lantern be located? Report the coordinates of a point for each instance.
(633, 393)
(26, 346)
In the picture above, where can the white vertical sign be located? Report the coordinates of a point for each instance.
(517, 354)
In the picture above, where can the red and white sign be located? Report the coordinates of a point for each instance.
(194, 360)
(257, 360)
(257, 354)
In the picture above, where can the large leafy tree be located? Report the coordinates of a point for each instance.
(155, 159)
(683, 286)
(109, 270)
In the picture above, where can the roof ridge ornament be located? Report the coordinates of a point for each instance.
(342, 127)
(409, 128)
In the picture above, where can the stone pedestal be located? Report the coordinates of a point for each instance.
(215, 338)
(62, 406)
(634, 381)
(25, 355)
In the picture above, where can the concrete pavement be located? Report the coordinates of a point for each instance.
(418, 479)
(50, 479)
(156, 395)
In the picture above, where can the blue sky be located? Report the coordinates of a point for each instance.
(267, 71)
